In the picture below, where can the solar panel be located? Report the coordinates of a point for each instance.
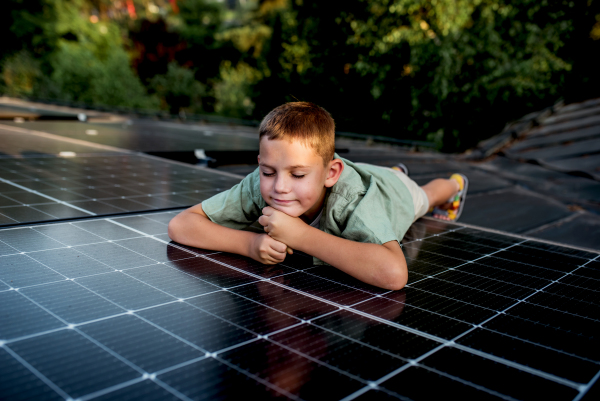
(145, 136)
(109, 308)
(34, 189)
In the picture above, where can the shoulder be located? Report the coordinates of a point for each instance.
(351, 183)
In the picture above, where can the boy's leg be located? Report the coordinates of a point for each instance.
(439, 191)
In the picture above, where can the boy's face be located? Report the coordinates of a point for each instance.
(293, 178)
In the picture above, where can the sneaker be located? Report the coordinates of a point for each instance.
(401, 167)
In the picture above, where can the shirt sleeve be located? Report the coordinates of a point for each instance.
(239, 206)
(366, 218)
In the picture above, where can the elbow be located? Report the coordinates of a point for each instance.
(395, 278)
(173, 229)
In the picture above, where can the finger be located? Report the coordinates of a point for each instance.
(277, 257)
(263, 220)
(267, 211)
(279, 247)
(289, 250)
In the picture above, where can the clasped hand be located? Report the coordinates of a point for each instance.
(282, 231)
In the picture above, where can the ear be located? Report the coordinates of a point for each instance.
(335, 168)
(258, 157)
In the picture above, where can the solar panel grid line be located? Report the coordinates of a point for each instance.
(569, 383)
(500, 360)
(308, 271)
(364, 344)
(18, 339)
(258, 379)
(415, 362)
(137, 231)
(541, 289)
(542, 345)
(396, 325)
(596, 379)
(213, 171)
(157, 326)
(62, 138)
(172, 390)
(110, 389)
(430, 236)
(320, 362)
(144, 234)
(411, 285)
(89, 338)
(454, 268)
(468, 383)
(415, 307)
(285, 313)
(521, 236)
(305, 294)
(37, 373)
(50, 331)
(536, 372)
(449, 298)
(179, 365)
(46, 196)
(51, 156)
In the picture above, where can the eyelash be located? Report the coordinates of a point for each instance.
(293, 175)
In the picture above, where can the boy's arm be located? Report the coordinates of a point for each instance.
(193, 227)
(379, 265)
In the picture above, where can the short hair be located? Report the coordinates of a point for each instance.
(302, 121)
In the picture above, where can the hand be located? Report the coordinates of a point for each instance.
(282, 227)
(265, 249)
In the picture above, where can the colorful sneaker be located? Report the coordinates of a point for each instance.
(401, 167)
(457, 202)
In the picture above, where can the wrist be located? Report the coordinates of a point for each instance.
(300, 236)
(249, 248)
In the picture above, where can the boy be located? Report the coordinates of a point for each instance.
(351, 216)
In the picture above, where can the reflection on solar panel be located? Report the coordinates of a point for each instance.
(48, 188)
(110, 309)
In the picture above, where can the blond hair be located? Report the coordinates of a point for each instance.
(302, 121)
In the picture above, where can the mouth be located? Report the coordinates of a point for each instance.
(282, 201)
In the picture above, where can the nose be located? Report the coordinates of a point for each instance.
(281, 184)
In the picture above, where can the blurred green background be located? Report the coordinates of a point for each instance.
(448, 71)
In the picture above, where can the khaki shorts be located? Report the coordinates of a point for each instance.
(419, 196)
(417, 193)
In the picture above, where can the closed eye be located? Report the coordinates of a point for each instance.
(268, 174)
(297, 176)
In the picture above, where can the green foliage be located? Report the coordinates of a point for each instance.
(179, 90)
(198, 21)
(449, 71)
(81, 61)
(80, 76)
(20, 73)
(233, 90)
(453, 71)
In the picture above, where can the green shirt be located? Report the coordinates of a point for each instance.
(367, 204)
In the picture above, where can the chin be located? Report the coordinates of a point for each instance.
(293, 211)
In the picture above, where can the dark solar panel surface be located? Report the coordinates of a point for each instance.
(108, 308)
(34, 189)
(147, 136)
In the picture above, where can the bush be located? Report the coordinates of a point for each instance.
(80, 76)
(20, 73)
(179, 90)
(233, 92)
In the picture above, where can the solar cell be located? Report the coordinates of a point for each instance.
(109, 308)
(36, 189)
